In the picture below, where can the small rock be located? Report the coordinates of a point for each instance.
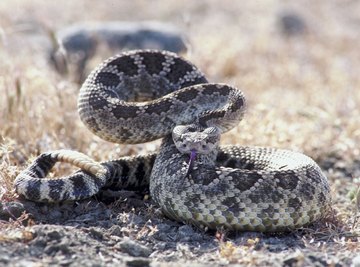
(96, 233)
(185, 230)
(11, 210)
(160, 246)
(137, 220)
(116, 231)
(4, 259)
(165, 232)
(39, 242)
(291, 24)
(55, 214)
(55, 235)
(25, 262)
(186, 233)
(295, 259)
(138, 262)
(163, 227)
(54, 249)
(133, 248)
(356, 261)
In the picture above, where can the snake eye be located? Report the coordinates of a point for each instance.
(183, 145)
(204, 146)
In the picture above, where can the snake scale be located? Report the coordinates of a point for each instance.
(144, 95)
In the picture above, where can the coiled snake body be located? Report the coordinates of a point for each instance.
(144, 95)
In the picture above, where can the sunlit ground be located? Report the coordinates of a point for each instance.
(303, 91)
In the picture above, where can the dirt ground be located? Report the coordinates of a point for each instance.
(299, 74)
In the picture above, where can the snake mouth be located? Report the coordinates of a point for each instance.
(193, 154)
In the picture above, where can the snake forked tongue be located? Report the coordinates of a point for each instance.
(191, 161)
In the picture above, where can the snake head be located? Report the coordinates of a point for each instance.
(192, 139)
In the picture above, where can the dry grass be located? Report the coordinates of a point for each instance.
(303, 92)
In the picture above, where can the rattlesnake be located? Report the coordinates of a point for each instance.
(235, 187)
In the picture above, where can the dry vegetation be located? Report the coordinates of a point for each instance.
(303, 92)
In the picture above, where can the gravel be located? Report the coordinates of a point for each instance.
(90, 233)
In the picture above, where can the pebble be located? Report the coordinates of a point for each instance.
(138, 262)
(96, 233)
(356, 261)
(115, 230)
(187, 234)
(292, 24)
(11, 210)
(133, 248)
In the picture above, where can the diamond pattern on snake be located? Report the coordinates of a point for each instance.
(144, 95)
